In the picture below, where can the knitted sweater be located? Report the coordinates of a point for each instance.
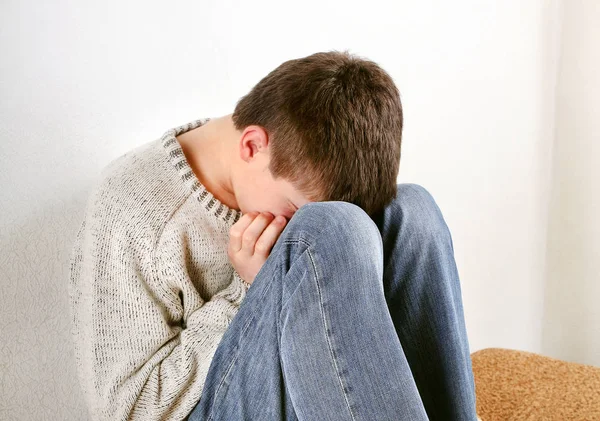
(151, 287)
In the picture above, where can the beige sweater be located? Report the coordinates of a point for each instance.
(151, 287)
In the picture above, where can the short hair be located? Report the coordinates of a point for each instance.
(335, 127)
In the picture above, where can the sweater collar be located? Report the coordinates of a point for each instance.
(177, 158)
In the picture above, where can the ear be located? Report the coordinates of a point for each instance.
(254, 139)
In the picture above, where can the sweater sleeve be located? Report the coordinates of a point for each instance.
(136, 358)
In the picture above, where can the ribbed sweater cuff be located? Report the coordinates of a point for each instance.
(244, 283)
(236, 290)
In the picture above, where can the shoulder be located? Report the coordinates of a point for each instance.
(139, 190)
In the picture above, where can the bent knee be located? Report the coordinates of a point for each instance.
(343, 221)
(419, 209)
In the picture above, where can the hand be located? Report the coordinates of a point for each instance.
(251, 240)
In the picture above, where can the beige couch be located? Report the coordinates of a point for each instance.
(519, 385)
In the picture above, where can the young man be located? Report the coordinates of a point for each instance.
(354, 310)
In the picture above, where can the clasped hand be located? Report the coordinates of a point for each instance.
(251, 240)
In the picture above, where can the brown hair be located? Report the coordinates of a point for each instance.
(335, 127)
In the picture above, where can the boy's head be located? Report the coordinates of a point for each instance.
(332, 123)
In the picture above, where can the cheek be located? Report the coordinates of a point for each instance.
(286, 211)
(244, 202)
(253, 198)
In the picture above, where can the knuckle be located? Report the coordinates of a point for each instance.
(261, 247)
(263, 219)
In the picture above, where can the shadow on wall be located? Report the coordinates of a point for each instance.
(39, 378)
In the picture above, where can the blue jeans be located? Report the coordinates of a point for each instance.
(350, 318)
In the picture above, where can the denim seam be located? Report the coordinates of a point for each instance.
(235, 358)
(283, 305)
(337, 371)
(300, 240)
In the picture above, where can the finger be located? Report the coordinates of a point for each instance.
(269, 237)
(237, 231)
(254, 231)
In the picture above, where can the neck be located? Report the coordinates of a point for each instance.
(209, 150)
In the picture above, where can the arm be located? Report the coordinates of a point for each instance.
(137, 358)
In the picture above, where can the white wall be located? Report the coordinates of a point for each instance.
(83, 82)
(572, 310)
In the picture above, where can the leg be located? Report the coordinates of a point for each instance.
(313, 339)
(423, 293)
